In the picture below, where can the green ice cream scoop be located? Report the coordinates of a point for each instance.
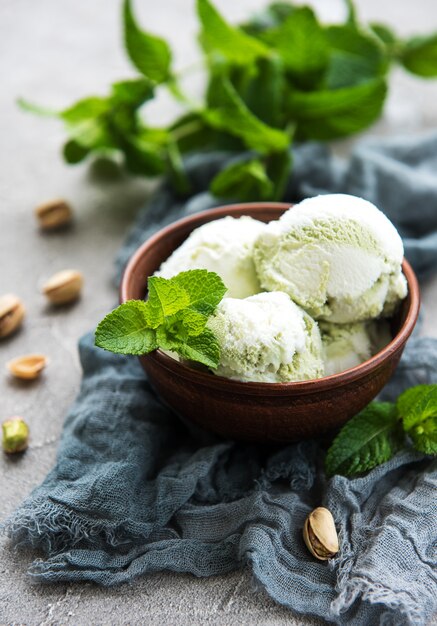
(337, 256)
(348, 345)
(224, 246)
(266, 338)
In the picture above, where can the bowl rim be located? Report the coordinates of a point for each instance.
(263, 388)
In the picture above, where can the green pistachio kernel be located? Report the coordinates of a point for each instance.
(15, 435)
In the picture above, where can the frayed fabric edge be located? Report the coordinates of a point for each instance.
(375, 593)
(52, 528)
(360, 588)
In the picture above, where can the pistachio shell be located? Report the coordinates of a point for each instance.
(53, 214)
(15, 435)
(28, 366)
(64, 286)
(12, 313)
(320, 535)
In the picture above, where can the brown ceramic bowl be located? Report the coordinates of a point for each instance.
(264, 412)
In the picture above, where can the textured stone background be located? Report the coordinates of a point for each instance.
(53, 53)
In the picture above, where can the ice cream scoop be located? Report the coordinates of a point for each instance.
(224, 246)
(337, 256)
(266, 338)
(348, 345)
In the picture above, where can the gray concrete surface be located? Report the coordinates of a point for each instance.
(54, 52)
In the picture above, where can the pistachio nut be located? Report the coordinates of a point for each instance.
(27, 367)
(320, 535)
(64, 286)
(11, 314)
(53, 214)
(15, 435)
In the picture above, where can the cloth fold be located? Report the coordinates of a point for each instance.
(134, 490)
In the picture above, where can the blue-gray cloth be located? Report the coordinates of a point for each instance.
(135, 490)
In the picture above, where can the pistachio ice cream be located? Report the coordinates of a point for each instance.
(337, 256)
(266, 338)
(348, 345)
(224, 246)
(307, 293)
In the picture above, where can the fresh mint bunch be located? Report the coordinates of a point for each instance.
(382, 429)
(174, 317)
(281, 76)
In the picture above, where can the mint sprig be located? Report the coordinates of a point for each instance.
(282, 76)
(382, 429)
(369, 439)
(231, 43)
(173, 318)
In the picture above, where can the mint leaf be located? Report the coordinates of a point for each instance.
(126, 330)
(85, 109)
(205, 289)
(73, 152)
(419, 56)
(269, 17)
(279, 11)
(191, 132)
(176, 329)
(278, 170)
(170, 337)
(228, 112)
(356, 57)
(352, 18)
(203, 348)
(165, 298)
(367, 440)
(424, 436)
(193, 321)
(143, 155)
(246, 180)
(151, 55)
(132, 93)
(384, 33)
(417, 404)
(301, 43)
(329, 114)
(87, 126)
(177, 173)
(157, 137)
(265, 90)
(217, 36)
(91, 134)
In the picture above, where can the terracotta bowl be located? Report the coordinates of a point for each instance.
(264, 412)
